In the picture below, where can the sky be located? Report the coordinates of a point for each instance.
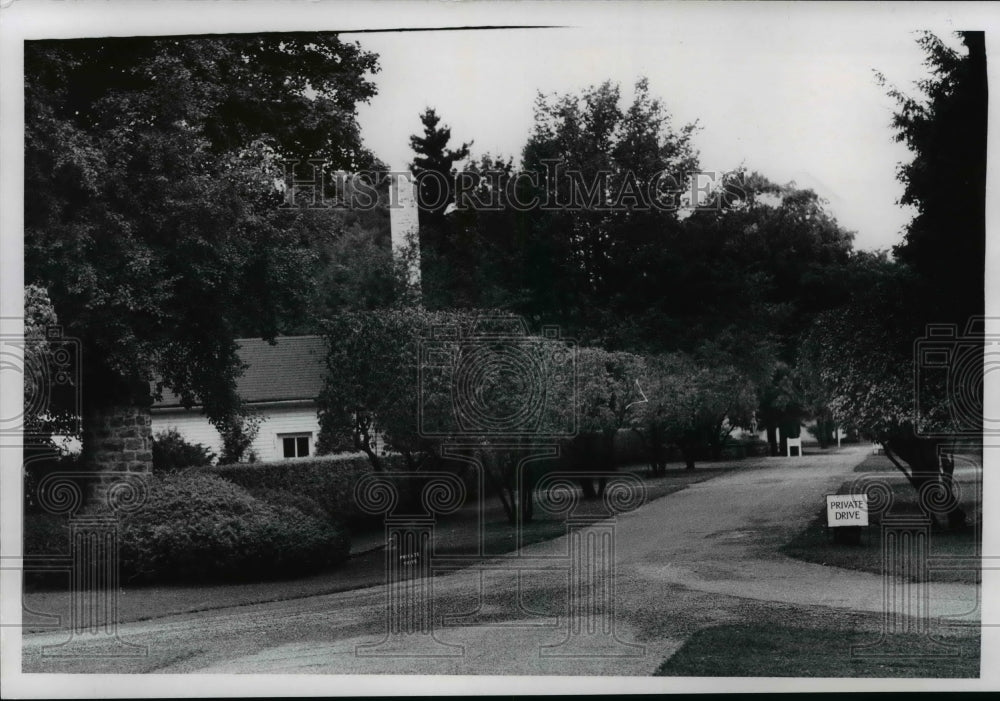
(793, 98)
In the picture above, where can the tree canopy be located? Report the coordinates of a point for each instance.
(597, 230)
(869, 353)
(434, 166)
(607, 229)
(153, 217)
(945, 129)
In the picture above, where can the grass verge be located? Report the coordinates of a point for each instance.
(783, 651)
(815, 542)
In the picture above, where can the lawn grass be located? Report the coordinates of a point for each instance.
(876, 463)
(815, 542)
(788, 651)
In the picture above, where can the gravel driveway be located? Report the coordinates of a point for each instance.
(703, 556)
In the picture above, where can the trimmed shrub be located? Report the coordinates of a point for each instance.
(328, 480)
(172, 452)
(197, 526)
(285, 498)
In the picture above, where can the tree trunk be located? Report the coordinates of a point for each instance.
(526, 502)
(688, 453)
(928, 466)
(588, 456)
(658, 452)
(363, 441)
(956, 514)
(821, 433)
(653, 445)
(373, 459)
(489, 467)
(772, 439)
(609, 459)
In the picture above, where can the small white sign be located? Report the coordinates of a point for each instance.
(846, 510)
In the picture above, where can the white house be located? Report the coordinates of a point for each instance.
(281, 383)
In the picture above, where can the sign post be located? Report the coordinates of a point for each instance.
(847, 513)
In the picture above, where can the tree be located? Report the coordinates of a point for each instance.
(780, 403)
(359, 272)
(595, 232)
(866, 351)
(865, 356)
(506, 245)
(51, 387)
(608, 392)
(774, 248)
(945, 129)
(778, 250)
(373, 391)
(441, 254)
(815, 397)
(600, 238)
(486, 263)
(434, 169)
(154, 221)
(516, 394)
(692, 406)
(434, 166)
(409, 381)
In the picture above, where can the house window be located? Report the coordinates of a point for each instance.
(295, 446)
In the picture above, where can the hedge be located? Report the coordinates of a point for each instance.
(329, 480)
(630, 450)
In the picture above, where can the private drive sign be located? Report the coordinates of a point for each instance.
(846, 510)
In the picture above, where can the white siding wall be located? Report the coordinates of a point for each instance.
(191, 424)
(195, 428)
(298, 419)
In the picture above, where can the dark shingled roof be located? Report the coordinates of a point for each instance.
(292, 369)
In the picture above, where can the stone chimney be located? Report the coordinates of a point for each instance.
(404, 223)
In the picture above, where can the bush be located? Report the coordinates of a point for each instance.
(328, 480)
(198, 526)
(45, 534)
(172, 452)
(285, 498)
(36, 467)
(747, 446)
(629, 448)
